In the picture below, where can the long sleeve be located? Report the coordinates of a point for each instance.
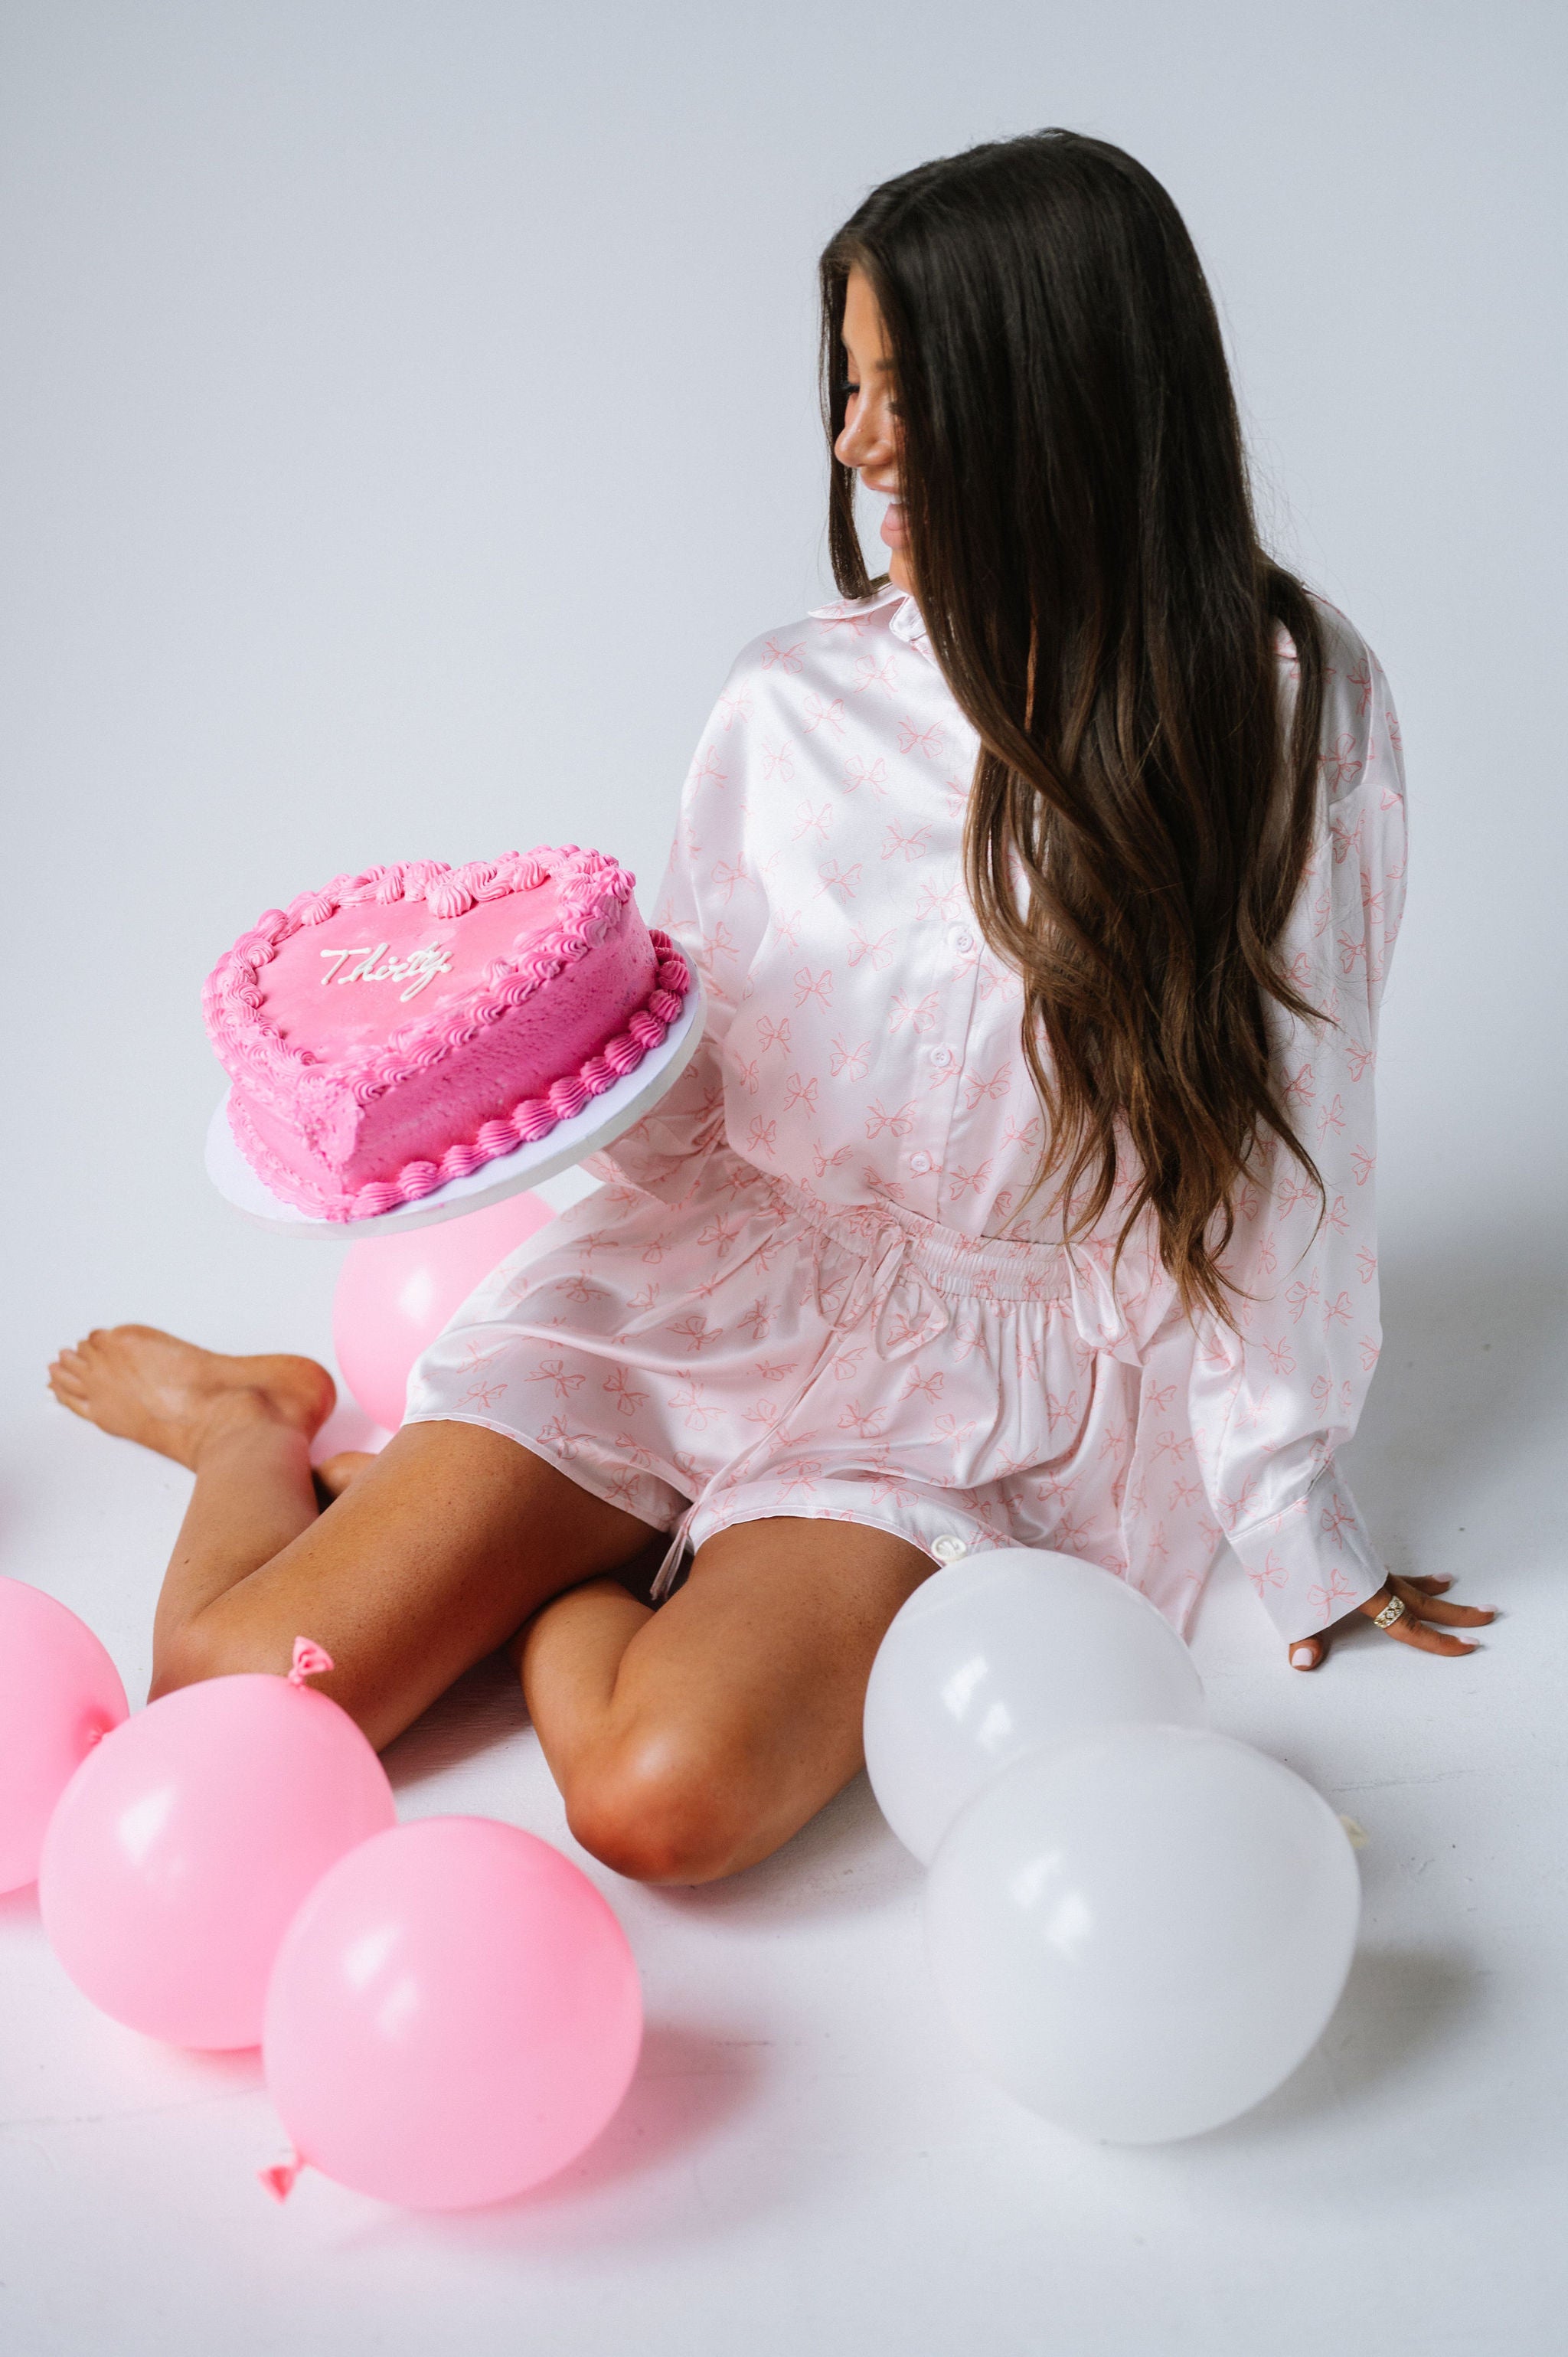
(709, 902)
(1270, 1405)
(711, 898)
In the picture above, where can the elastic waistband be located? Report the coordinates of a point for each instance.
(989, 1268)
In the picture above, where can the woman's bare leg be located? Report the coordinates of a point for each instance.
(242, 1426)
(695, 1740)
(430, 1559)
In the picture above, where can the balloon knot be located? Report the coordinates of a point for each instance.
(279, 2178)
(310, 1660)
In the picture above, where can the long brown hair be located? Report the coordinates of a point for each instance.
(1087, 562)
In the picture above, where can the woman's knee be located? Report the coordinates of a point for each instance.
(205, 1649)
(658, 1807)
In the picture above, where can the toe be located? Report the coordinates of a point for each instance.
(334, 1473)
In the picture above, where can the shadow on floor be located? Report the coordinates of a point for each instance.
(690, 2082)
(483, 1709)
(691, 2085)
(1470, 1391)
(1403, 2007)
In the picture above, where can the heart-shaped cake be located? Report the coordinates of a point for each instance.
(400, 1028)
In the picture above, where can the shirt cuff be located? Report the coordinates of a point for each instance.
(1313, 1562)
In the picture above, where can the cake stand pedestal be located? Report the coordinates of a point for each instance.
(598, 1125)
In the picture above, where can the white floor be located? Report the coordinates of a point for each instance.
(805, 2162)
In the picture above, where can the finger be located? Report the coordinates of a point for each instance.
(1412, 1632)
(1428, 1607)
(1434, 1582)
(1307, 1652)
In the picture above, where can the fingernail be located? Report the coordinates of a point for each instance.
(1302, 1657)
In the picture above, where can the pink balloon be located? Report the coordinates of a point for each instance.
(396, 1293)
(59, 1692)
(187, 1840)
(454, 2016)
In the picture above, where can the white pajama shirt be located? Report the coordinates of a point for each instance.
(805, 1288)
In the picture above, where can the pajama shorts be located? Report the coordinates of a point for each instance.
(751, 1350)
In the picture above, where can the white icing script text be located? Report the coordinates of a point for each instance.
(419, 967)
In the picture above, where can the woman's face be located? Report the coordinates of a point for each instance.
(869, 442)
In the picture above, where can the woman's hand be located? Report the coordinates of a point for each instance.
(1424, 1622)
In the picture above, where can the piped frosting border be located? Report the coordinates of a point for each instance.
(259, 1060)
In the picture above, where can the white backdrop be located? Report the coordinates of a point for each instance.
(409, 410)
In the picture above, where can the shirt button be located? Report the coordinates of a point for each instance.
(942, 1057)
(920, 1162)
(948, 1549)
(964, 942)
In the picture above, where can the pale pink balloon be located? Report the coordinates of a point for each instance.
(454, 2016)
(59, 1695)
(186, 1841)
(396, 1293)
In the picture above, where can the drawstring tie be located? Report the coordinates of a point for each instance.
(894, 1336)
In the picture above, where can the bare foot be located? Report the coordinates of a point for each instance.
(334, 1473)
(149, 1386)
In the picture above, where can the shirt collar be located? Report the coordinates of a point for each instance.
(905, 620)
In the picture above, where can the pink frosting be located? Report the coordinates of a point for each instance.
(404, 1026)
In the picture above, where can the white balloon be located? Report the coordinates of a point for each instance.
(1001, 1651)
(1142, 1934)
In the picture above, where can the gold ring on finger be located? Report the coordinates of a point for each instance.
(1395, 1609)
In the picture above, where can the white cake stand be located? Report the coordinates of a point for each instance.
(598, 1125)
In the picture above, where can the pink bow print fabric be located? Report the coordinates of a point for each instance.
(806, 1287)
